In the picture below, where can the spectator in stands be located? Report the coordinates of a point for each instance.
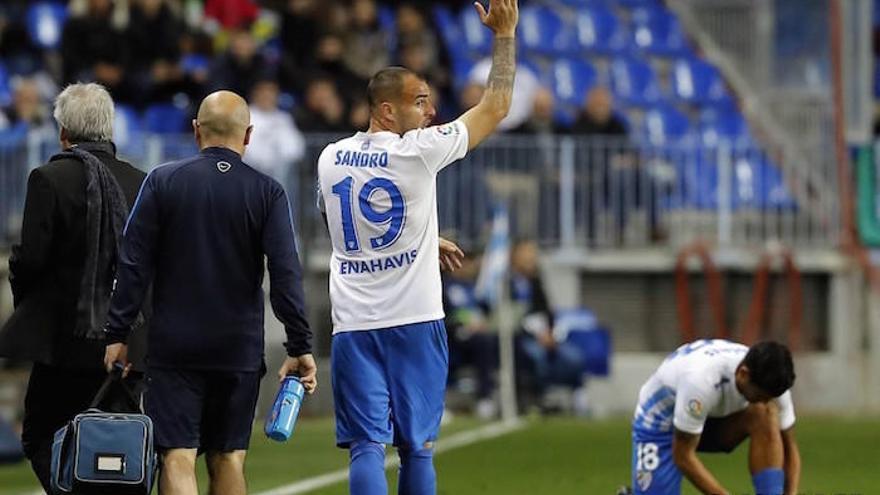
(546, 360)
(597, 115)
(154, 36)
(276, 143)
(359, 115)
(93, 49)
(242, 65)
(416, 56)
(541, 121)
(16, 49)
(299, 34)
(323, 109)
(524, 89)
(328, 60)
(62, 271)
(472, 343)
(232, 14)
(366, 43)
(412, 29)
(28, 107)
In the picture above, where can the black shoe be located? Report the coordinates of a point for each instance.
(624, 490)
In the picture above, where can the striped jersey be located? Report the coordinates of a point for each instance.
(696, 382)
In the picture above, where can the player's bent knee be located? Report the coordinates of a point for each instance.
(763, 416)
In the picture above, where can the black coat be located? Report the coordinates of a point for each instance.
(46, 267)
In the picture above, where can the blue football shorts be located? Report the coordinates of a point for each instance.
(389, 384)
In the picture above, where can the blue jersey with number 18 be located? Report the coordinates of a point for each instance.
(379, 192)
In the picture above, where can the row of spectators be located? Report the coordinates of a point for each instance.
(315, 56)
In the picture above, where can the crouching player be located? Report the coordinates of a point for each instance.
(709, 396)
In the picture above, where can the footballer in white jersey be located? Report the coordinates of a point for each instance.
(379, 192)
(708, 396)
(378, 188)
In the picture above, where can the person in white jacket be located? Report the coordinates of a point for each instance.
(276, 142)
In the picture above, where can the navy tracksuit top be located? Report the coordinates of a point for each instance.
(199, 231)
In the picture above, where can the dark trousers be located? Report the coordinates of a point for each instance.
(54, 396)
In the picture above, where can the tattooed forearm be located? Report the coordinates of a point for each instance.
(503, 67)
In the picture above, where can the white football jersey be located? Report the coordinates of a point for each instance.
(695, 382)
(379, 192)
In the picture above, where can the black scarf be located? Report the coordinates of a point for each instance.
(106, 214)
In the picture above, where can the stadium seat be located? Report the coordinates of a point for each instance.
(634, 82)
(581, 328)
(598, 30)
(195, 62)
(5, 90)
(657, 32)
(165, 118)
(541, 31)
(570, 80)
(759, 184)
(664, 125)
(128, 131)
(697, 82)
(45, 23)
(632, 4)
(717, 125)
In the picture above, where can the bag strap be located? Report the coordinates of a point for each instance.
(115, 377)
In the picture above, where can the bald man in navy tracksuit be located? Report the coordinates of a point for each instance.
(199, 231)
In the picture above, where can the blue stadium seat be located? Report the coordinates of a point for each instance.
(717, 125)
(195, 62)
(5, 90)
(634, 82)
(657, 32)
(476, 37)
(598, 30)
(582, 329)
(387, 19)
(541, 31)
(570, 80)
(128, 131)
(165, 118)
(664, 125)
(635, 4)
(45, 23)
(877, 78)
(757, 183)
(697, 82)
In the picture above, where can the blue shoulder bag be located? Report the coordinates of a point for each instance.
(105, 453)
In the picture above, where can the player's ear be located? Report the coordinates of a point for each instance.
(386, 110)
(247, 134)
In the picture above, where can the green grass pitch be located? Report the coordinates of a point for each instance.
(553, 456)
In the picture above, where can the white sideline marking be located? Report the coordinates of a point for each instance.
(455, 441)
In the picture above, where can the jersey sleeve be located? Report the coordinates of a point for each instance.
(786, 411)
(440, 145)
(693, 401)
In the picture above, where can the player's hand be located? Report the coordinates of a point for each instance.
(117, 353)
(501, 18)
(451, 256)
(302, 366)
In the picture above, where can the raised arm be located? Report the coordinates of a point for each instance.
(684, 453)
(482, 119)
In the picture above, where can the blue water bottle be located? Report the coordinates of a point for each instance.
(282, 417)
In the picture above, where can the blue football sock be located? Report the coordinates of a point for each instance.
(770, 481)
(366, 474)
(417, 476)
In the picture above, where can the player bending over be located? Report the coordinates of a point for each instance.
(709, 396)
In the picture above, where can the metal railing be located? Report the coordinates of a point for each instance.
(564, 191)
